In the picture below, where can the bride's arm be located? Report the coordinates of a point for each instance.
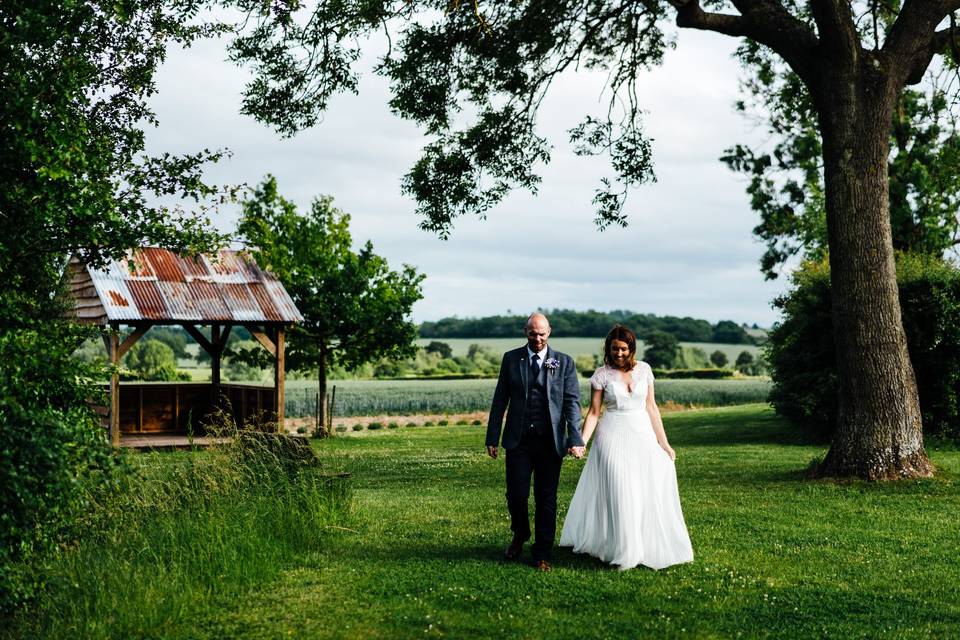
(593, 414)
(657, 422)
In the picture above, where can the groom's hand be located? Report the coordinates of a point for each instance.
(576, 452)
(491, 451)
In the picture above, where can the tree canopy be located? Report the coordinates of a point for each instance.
(492, 63)
(568, 322)
(74, 177)
(355, 308)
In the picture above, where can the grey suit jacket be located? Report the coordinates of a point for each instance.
(510, 397)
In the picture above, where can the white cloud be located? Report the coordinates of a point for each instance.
(687, 251)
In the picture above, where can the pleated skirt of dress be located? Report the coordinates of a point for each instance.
(626, 508)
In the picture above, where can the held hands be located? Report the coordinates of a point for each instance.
(577, 452)
(670, 452)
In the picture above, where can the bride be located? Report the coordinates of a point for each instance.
(626, 508)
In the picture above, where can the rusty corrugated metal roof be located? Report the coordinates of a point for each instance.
(160, 285)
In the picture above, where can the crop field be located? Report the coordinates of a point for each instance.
(408, 397)
(578, 346)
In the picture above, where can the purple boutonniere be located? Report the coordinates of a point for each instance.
(551, 363)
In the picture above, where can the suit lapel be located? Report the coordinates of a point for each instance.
(547, 373)
(524, 371)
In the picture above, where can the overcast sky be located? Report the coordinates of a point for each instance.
(688, 250)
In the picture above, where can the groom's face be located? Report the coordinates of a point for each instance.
(538, 330)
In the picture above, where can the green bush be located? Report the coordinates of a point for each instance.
(392, 425)
(693, 374)
(358, 427)
(801, 349)
(443, 423)
(411, 424)
(373, 426)
(428, 423)
(341, 428)
(52, 450)
(477, 423)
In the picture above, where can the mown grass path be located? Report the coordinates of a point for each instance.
(776, 555)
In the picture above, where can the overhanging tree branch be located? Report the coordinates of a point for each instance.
(765, 21)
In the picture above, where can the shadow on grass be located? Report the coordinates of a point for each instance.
(725, 428)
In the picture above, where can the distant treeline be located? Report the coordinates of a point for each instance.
(590, 324)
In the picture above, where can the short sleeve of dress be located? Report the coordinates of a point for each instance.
(599, 379)
(648, 373)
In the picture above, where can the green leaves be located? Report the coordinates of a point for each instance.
(473, 75)
(74, 178)
(356, 309)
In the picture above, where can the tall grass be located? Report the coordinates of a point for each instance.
(179, 533)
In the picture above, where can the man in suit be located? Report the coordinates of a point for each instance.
(539, 391)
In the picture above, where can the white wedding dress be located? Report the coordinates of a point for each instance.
(626, 508)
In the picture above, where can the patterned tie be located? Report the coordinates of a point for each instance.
(535, 366)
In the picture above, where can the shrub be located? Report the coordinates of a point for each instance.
(661, 349)
(392, 425)
(477, 423)
(301, 430)
(428, 423)
(411, 424)
(462, 422)
(358, 427)
(341, 428)
(719, 359)
(693, 374)
(443, 422)
(52, 450)
(801, 350)
(373, 426)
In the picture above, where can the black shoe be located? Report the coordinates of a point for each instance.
(514, 550)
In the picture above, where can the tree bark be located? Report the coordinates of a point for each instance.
(878, 435)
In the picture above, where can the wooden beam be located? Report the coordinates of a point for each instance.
(113, 350)
(132, 339)
(215, 353)
(199, 337)
(262, 338)
(279, 375)
(222, 342)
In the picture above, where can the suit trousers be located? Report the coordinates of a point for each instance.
(535, 456)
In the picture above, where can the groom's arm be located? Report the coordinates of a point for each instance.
(501, 398)
(571, 404)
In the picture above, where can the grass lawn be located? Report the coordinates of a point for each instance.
(776, 555)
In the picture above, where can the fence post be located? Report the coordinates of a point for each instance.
(333, 399)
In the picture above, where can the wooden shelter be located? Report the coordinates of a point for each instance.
(153, 287)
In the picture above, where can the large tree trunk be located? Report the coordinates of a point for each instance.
(878, 436)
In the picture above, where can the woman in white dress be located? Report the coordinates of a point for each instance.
(626, 508)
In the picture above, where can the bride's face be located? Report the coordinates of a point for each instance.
(619, 352)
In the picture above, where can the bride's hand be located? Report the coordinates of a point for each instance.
(670, 452)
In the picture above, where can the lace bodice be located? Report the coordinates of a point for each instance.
(616, 395)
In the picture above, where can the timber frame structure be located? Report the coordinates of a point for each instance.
(155, 287)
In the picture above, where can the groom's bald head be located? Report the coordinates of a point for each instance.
(538, 331)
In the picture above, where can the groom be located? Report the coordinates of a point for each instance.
(543, 423)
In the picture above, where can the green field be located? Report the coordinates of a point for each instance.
(578, 346)
(406, 397)
(418, 555)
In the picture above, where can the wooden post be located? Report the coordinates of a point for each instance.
(278, 378)
(215, 354)
(114, 353)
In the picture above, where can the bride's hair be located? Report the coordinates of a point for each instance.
(621, 333)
